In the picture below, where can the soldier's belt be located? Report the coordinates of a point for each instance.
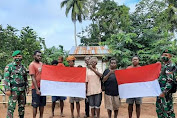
(18, 85)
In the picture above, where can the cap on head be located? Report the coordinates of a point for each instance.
(167, 51)
(70, 58)
(16, 52)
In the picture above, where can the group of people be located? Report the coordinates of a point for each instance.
(16, 87)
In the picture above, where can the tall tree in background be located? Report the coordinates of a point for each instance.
(145, 32)
(53, 53)
(78, 11)
(172, 14)
(107, 18)
(28, 41)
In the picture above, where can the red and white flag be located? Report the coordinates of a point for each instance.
(63, 81)
(139, 82)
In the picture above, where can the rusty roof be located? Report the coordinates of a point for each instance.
(89, 50)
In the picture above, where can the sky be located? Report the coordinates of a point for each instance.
(46, 18)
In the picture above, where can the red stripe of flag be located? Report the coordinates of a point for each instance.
(63, 74)
(140, 74)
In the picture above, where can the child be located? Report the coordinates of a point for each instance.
(55, 98)
(71, 62)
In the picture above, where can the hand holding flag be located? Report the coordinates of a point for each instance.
(139, 82)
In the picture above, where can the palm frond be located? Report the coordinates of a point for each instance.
(69, 6)
(73, 15)
(79, 18)
(63, 3)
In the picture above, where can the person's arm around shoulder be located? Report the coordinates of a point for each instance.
(7, 80)
(32, 74)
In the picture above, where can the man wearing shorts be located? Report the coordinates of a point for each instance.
(71, 62)
(35, 69)
(93, 87)
(56, 98)
(130, 101)
(112, 101)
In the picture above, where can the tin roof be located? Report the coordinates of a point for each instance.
(89, 50)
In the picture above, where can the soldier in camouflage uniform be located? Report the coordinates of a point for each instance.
(164, 102)
(16, 83)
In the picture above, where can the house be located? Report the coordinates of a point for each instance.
(81, 51)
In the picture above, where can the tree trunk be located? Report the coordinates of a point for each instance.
(75, 33)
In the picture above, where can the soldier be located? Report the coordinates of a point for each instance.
(164, 102)
(15, 80)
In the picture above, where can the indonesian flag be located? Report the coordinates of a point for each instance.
(139, 82)
(63, 81)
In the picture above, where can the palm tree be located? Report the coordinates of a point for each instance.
(78, 11)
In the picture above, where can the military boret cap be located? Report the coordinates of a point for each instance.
(167, 51)
(16, 52)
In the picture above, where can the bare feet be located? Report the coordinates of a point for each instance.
(52, 115)
(85, 116)
(61, 115)
(72, 116)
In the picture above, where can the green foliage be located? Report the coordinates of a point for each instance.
(145, 32)
(122, 46)
(107, 18)
(27, 41)
(94, 37)
(10, 41)
(77, 7)
(53, 53)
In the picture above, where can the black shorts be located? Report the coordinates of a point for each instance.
(95, 100)
(37, 100)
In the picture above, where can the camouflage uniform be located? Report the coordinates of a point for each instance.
(164, 106)
(16, 81)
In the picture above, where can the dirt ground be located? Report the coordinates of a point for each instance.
(147, 109)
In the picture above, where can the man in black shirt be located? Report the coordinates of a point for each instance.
(112, 100)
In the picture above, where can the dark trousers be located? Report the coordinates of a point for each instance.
(87, 107)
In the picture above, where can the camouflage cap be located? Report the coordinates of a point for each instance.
(167, 51)
(16, 52)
